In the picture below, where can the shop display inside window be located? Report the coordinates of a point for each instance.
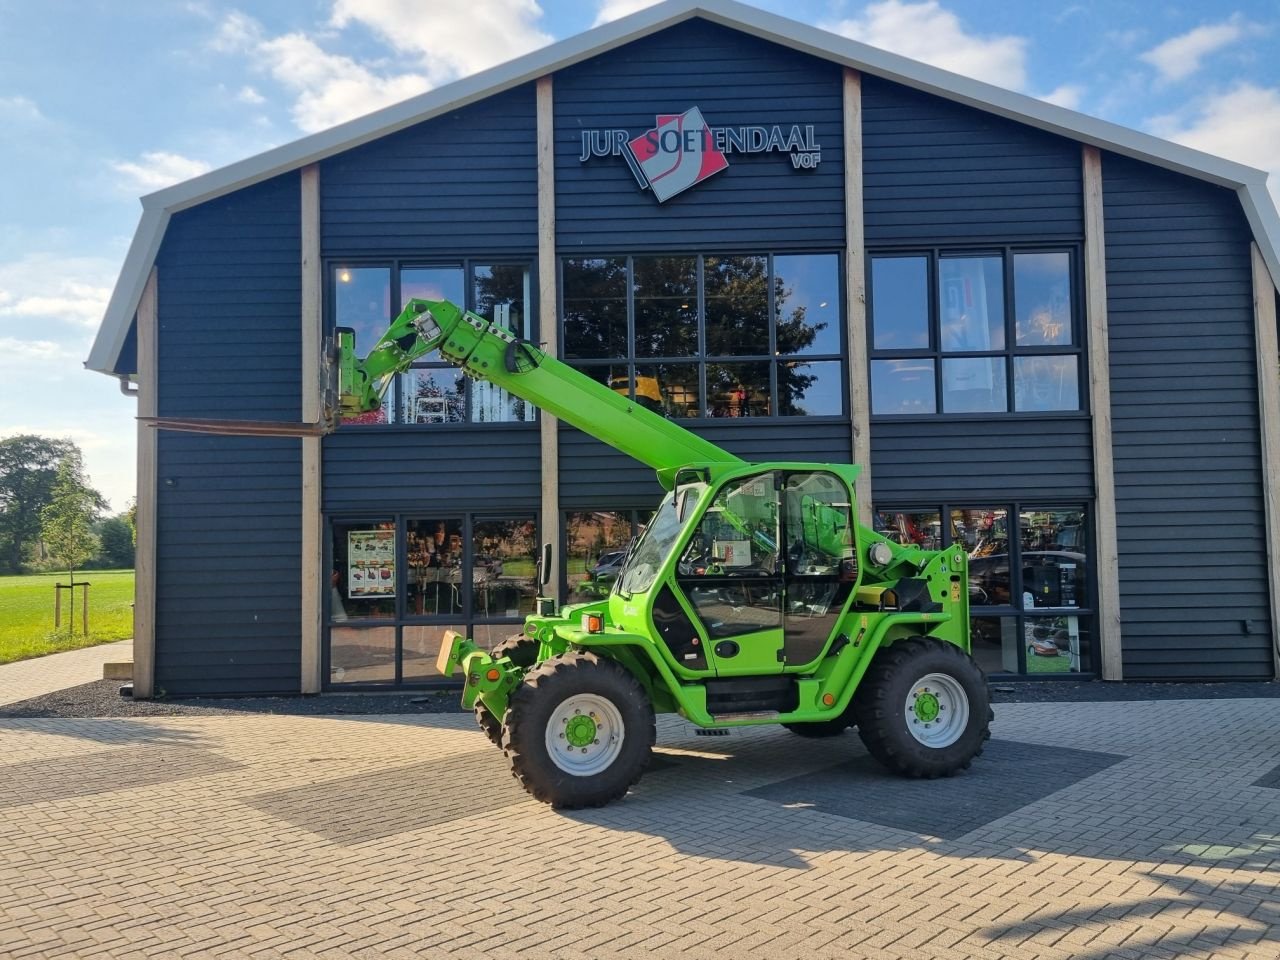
(1029, 581)
(433, 552)
(970, 349)
(363, 580)
(710, 336)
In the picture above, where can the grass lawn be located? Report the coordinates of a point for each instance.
(26, 613)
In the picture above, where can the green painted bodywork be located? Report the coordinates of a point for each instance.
(695, 471)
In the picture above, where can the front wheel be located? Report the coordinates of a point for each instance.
(923, 709)
(579, 731)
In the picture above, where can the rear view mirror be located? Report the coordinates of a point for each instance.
(544, 566)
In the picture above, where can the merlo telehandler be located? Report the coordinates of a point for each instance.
(753, 596)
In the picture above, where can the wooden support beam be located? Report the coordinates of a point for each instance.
(1107, 564)
(313, 576)
(144, 584)
(856, 298)
(549, 327)
(1264, 316)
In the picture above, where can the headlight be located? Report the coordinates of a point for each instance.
(880, 554)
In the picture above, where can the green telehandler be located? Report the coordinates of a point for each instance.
(753, 596)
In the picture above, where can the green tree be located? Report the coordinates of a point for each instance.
(116, 537)
(28, 467)
(66, 522)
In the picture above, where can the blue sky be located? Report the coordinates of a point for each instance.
(102, 101)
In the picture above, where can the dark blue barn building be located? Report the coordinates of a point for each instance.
(1048, 338)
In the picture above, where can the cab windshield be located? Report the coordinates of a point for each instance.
(641, 567)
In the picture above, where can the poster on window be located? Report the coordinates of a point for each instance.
(371, 564)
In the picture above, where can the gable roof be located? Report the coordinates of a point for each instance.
(1249, 183)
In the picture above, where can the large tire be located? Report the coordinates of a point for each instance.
(923, 709)
(522, 650)
(579, 731)
(490, 724)
(822, 729)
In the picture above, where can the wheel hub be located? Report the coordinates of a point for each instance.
(937, 710)
(580, 730)
(584, 734)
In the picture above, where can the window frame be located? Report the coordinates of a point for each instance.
(396, 265)
(701, 358)
(933, 255)
(1086, 610)
(402, 617)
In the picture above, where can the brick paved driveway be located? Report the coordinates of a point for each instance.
(1088, 831)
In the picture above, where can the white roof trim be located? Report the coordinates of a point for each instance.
(1249, 183)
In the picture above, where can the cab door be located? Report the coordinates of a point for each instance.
(820, 567)
(731, 575)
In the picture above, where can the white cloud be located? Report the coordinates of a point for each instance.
(157, 169)
(237, 32)
(1179, 57)
(20, 108)
(18, 355)
(249, 95)
(615, 9)
(331, 88)
(452, 39)
(930, 33)
(43, 287)
(1068, 95)
(1242, 124)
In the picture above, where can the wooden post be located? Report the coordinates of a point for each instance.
(1264, 316)
(144, 589)
(57, 606)
(856, 285)
(1108, 561)
(84, 606)
(313, 578)
(549, 330)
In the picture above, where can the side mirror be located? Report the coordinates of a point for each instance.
(544, 566)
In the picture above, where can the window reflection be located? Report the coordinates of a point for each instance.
(362, 301)
(433, 395)
(984, 534)
(503, 556)
(595, 542)
(810, 388)
(421, 644)
(973, 385)
(1054, 561)
(1042, 295)
(900, 302)
(595, 308)
(806, 300)
(1046, 383)
(903, 386)
(670, 389)
(738, 389)
(737, 303)
(362, 654)
(502, 295)
(994, 643)
(666, 306)
(971, 303)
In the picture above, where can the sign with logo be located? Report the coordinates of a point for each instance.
(681, 150)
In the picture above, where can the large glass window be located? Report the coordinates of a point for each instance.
(595, 542)
(1030, 586)
(368, 298)
(710, 336)
(974, 333)
(397, 584)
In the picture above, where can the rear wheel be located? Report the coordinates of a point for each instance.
(522, 650)
(579, 731)
(923, 709)
(490, 724)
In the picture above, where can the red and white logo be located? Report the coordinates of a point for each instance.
(677, 153)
